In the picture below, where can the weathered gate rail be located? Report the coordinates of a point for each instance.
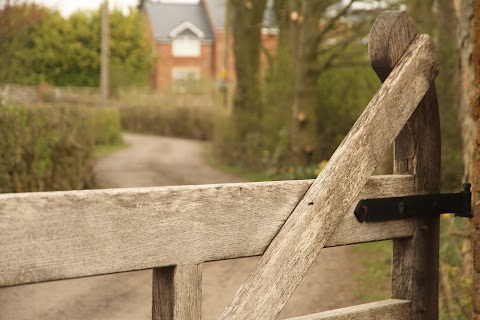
(62, 235)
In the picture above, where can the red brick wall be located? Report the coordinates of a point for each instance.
(166, 62)
(210, 60)
(219, 53)
(270, 44)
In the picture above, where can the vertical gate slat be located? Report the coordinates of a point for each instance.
(177, 293)
(416, 151)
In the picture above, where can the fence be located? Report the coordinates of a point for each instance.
(173, 230)
(30, 94)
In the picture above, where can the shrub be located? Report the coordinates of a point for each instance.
(48, 147)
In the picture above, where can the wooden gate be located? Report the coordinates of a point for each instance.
(173, 230)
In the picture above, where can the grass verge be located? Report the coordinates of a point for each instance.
(237, 170)
(106, 149)
(374, 276)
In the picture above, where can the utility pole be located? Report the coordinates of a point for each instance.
(226, 46)
(105, 54)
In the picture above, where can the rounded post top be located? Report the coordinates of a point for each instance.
(391, 34)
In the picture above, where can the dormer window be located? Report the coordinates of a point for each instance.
(186, 40)
(185, 46)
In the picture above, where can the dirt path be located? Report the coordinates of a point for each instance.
(153, 161)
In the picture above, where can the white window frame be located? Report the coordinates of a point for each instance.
(186, 47)
(186, 73)
(183, 78)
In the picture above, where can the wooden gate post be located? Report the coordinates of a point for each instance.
(177, 293)
(416, 151)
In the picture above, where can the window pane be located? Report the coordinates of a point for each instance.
(185, 79)
(185, 47)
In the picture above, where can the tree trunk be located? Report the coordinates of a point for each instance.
(247, 101)
(247, 23)
(280, 82)
(304, 137)
(469, 108)
(464, 9)
(472, 18)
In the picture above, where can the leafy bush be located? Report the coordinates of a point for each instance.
(38, 45)
(48, 147)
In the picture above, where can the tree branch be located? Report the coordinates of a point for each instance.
(331, 23)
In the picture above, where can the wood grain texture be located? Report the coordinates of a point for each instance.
(323, 207)
(60, 235)
(416, 151)
(416, 261)
(382, 310)
(391, 34)
(177, 293)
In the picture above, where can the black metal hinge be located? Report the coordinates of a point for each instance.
(384, 209)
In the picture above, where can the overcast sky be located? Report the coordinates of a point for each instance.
(66, 7)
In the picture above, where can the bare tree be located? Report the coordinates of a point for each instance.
(105, 53)
(315, 36)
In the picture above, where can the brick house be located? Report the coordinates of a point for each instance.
(189, 41)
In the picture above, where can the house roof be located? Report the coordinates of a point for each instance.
(186, 26)
(168, 18)
(217, 12)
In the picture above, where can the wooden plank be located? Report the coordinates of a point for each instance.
(416, 151)
(60, 235)
(382, 310)
(323, 207)
(177, 293)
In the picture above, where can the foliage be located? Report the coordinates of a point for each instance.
(16, 25)
(39, 45)
(374, 278)
(455, 279)
(47, 147)
(342, 93)
(44, 149)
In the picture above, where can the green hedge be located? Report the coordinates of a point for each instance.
(105, 123)
(194, 122)
(51, 147)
